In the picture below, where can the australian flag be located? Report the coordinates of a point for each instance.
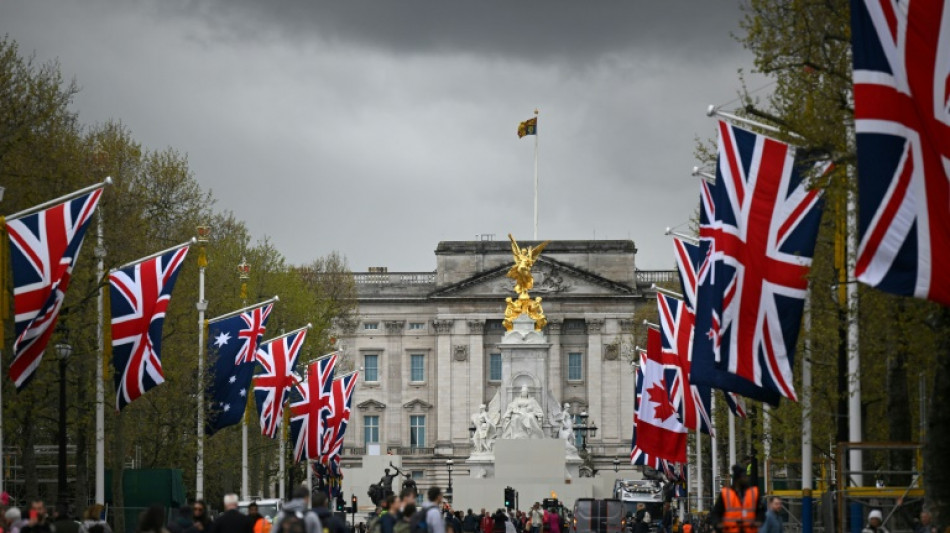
(233, 343)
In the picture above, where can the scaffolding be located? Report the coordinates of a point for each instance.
(897, 492)
(842, 507)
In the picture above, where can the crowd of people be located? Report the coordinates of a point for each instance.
(37, 519)
(738, 509)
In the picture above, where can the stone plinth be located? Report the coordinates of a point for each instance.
(535, 468)
(524, 362)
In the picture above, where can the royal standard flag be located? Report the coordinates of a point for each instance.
(528, 127)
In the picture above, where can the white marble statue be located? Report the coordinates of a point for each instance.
(523, 418)
(486, 430)
(563, 421)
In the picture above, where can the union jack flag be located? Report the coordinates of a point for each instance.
(902, 121)
(676, 332)
(309, 408)
(338, 419)
(278, 357)
(230, 339)
(139, 296)
(44, 248)
(761, 236)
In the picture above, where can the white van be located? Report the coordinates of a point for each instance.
(267, 508)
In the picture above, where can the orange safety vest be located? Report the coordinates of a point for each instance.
(739, 516)
(262, 526)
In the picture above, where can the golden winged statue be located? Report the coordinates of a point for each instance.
(524, 282)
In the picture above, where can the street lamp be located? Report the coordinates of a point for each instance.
(448, 492)
(616, 464)
(63, 351)
(586, 429)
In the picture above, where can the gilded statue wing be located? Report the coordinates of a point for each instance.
(514, 247)
(537, 250)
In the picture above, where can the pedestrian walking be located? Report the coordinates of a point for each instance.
(232, 520)
(772, 523)
(875, 523)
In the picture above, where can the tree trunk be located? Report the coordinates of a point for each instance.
(82, 441)
(31, 488)
(842, 418)
(898, 414)
(936, 458)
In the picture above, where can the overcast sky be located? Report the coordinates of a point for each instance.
(380, 128)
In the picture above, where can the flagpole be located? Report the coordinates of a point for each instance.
(713, 111)
(244, 309)
(100, 365)
(681, 236)
(4, 314)
(699, 466)
(807, 483)
(766, 444)
(713, 446)
(156, 254)
(57, 201)
(667, 292)
(855, 432)
(536, 180)
(732, 439)
(202, 305)
(244, 272)
(282, 468)
(289, 333)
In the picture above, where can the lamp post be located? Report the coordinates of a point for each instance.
(616, 465)
(586, 428)
(448, 492)
(63, 351)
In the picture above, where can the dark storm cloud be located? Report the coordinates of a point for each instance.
(379, 128)
(554, 30)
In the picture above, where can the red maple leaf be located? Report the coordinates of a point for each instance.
(664, 409)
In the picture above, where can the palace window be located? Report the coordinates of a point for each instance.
(575, 371)
(494, 367)
(417, 431)
(417, 368)
(371, 325)
(371, 367)
(417, 325)
(371, 429)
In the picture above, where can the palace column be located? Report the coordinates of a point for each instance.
(442, 371)
(554, 359)
(594, 378)
(611, 385)
(475, 390)
(390, 364)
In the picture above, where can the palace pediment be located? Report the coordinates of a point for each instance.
(552, 278)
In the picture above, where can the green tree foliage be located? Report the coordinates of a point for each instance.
(155, 203)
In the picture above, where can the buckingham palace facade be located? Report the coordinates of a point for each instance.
(428, 345)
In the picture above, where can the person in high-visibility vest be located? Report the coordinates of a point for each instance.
(739, 508)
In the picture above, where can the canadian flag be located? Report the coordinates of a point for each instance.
(659, 431)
